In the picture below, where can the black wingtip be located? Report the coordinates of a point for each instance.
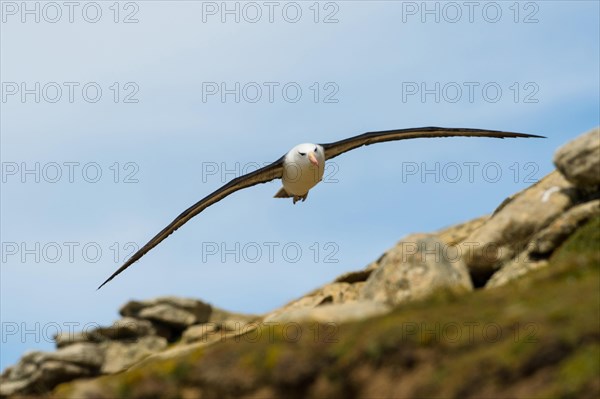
(113, 276)
(522, 136)
(102, 285)
(131, 261)
(514, 135)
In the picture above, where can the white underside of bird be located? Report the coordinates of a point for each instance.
(303, 168)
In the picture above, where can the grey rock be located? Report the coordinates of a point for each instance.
(579, 159)
(26, 366)
(169, 315)
(127, 328)
(66, 338)
(84, 354)
(509, 230)
(8, 388)
(39, 372)
(133, 308)
(333, 293)
(332, 313)
(544, 243)
(456, 234)
(414, 269)
(200, 332)
(547, 240)
(354, 277)
(338, 293)
(52, 373)
(198, 309)
(184, 303)
(517, 267)
(119, 356)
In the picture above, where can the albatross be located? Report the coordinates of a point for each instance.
(302, 168)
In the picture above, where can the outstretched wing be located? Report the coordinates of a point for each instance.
(262, 175)
(332, 150)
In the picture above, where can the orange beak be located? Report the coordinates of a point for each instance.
(313, 159)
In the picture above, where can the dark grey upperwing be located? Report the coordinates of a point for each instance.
(332, 150)
(262, 175)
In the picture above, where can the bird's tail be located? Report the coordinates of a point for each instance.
(282, 194)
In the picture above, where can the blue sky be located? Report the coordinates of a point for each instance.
(156, 133)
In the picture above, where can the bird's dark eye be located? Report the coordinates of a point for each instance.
(315, 149)
(302, 153)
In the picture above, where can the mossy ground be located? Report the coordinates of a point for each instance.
(536, 337)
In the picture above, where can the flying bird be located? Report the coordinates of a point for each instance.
(302, 168)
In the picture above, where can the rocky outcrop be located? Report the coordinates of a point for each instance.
(39, 372)
(328, 296)
(534, 232)
(173, 312)
(509, 229)
(579, 160)
(127, 328)
(543, 244)
(146, 329)
(415, 268)
(523, 235)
